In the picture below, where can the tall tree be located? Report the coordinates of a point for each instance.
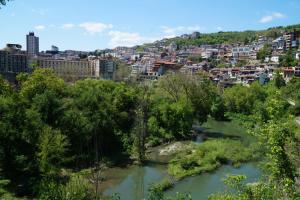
(140, 131)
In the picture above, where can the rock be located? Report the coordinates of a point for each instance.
(171, 149)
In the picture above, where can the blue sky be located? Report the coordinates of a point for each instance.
(99, 24)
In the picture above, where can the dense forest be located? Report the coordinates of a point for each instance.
(56, 137)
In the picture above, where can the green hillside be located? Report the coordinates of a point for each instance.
(230, 37)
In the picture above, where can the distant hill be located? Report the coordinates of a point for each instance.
(221, 37)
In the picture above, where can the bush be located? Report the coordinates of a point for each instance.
(75, 189)
(210, 155)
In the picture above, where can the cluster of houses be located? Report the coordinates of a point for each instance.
(152, 61)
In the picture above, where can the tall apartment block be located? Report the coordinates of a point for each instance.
(32, 43)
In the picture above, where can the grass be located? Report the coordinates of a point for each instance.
(164, 185)
(209, 156)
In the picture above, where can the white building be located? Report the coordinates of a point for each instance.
(241, 52)
(72, 70)
(298, 55)
(275, 59)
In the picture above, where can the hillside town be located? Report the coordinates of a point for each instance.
(225, 64)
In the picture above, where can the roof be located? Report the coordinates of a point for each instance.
(165, 62)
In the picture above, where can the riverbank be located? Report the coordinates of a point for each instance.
(133, 181)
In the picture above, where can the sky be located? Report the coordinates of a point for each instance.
(88, 25)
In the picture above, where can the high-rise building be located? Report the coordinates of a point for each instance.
(32, 43)
(107, 69)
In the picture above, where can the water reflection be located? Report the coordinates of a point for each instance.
(135, 185)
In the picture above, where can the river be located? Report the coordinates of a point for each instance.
(133, 182)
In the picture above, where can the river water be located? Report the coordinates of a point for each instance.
(133, 182)
(136, 180)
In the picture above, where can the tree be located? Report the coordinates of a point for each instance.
(177, 102)
(52, 147)
(288, 60)
(122, 72)
(141, 123)
(5, 88)
(264, 52)
(39, 81)
(241, 99)
(3, 2)
(279, 81)
(197, 91)
(171, 120)
(218, 108)
(291, 90)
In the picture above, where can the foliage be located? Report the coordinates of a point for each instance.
(218, 38)
(122, 72)
(243, 191)
(5, 88)
(141, 129)
(288, 60)
(279, 80)
(171, 121)
(264, 52)
(218, 108)
(76, 188)
(47, 125)
(3, 2)
(273, 127)
(164, 185)
(3, 184)
(244, 37)
(291, 91)
(52, 150)
(241, 63)
(156, 193)
(177, 102)
(240, 99)
(210, 155)
(195, 59)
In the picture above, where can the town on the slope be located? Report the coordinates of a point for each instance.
(225, 64)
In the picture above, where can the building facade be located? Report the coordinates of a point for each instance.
(13, 60)
(32, 44)
(107, 69)
(71, 70)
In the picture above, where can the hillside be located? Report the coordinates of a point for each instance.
(230, 37)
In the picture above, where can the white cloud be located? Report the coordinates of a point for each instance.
(174, 31)
(118, 38)
(41, 12)
(67, 26)
(271, 17)
(40, 27)
(95, 27)
(219, 28)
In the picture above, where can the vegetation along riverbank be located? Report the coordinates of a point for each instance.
(50, 131)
